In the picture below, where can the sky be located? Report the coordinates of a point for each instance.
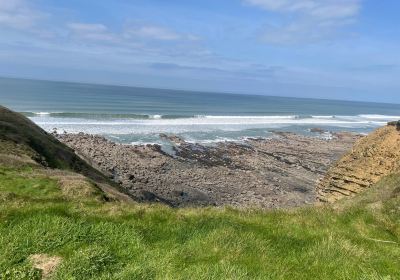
(334, 49)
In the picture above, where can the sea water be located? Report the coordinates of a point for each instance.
(138, 115)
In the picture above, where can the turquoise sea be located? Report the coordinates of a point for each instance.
(138, 115)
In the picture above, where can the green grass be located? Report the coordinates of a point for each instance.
(96, 239)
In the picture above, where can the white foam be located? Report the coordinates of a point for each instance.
(203, 123)
(42, 113)
(379, 117)
(250, 117)
(143, 143)
(213, 141)
(326, 135)
(323, 117)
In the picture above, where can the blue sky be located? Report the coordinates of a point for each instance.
(341, 49)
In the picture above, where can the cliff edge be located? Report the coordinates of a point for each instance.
(371, 158)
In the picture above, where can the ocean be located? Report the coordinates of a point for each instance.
(135, 115)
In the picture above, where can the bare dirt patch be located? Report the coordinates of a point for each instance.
(47, 264)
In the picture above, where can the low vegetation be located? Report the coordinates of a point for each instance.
(74, 232)
(58, 224)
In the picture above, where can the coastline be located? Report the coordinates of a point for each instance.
(277, 172)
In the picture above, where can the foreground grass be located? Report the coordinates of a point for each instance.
(96, 239)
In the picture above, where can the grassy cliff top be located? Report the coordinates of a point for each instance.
(57, 224)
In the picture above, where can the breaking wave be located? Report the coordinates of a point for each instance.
(144, 124)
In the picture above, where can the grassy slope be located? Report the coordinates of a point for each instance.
(17, 128)
(41, 213)
(44, 148)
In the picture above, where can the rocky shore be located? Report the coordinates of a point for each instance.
(278, 172)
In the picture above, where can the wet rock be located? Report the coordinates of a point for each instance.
(173, 138)
(269, 173)
(317, 130)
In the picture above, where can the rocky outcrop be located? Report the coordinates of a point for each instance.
(370, 159)
(278, 172)
(396, 124)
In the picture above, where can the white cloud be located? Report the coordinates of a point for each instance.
(91, 31)
(153, 32)
(317, 8)
(132, 33)
(87, 27)
(18, 14)
(192, 37)
(309, 21)
(145, 40)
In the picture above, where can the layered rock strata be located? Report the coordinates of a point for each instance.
(370, 159)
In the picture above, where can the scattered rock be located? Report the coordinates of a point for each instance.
(173, 138)
(317, 130)
(277, 172)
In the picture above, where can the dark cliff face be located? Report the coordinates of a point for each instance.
(19, 129)
(396, 124)
(46, 149)
(371, 158)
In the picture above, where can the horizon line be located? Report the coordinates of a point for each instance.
(188, 90)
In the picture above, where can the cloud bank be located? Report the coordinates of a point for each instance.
(18, 14)
(306, 21)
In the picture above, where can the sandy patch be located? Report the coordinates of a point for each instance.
(47, 264)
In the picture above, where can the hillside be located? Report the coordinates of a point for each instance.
(371, 158)
(21, 137)
(58, 224)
